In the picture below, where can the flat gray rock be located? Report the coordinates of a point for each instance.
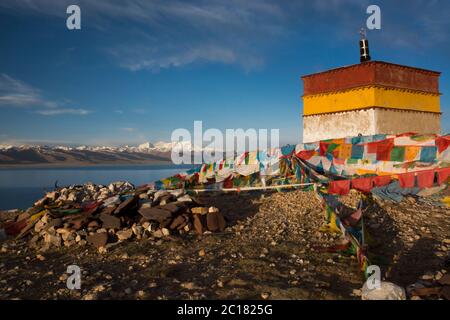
(155, 214)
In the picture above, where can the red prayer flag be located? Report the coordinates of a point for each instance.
(372, 147)
(335, 153)
(406, 180)
(14, 228)
(91, 205)
(382, 180)
(384, 150)
(425, 178)
(228, 183)
(341, 187)
(363, 184)
(305, 154)
(442, 143)
(443, 174)
(323, 148)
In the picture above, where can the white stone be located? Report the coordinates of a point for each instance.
(386, 291)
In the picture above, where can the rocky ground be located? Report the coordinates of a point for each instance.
(270, 249)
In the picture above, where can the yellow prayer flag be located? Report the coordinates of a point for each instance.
(345, 151)
(411, 153)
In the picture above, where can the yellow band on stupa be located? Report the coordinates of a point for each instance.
(371, 96)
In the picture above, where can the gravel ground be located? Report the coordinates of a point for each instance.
(268, 251)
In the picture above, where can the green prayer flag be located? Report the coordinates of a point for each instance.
(398, 153)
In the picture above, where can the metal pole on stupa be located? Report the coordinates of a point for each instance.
(363, 47)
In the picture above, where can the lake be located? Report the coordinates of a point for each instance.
(21, 187)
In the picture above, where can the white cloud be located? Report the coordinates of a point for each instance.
(161, 34)
(168, 34)
(15, 93)
(59, 111)
(139, 57)
(175, 34)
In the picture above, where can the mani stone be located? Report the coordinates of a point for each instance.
(165, 199)
(178, 223)
(177, 193)
(98, 239)
(109, 221)
(159, 194)
(146, 205)
(215, 221)
(172, 207)
(185, 198)
(445, 280)
(79, 223)
(198, 226)
(57, 222)
(199, 210)
(41, 226)
(108, 210)
(155, 214)
(126, 205)
(124, 234)
(165, 231)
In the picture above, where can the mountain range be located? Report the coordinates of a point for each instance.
(146, 153)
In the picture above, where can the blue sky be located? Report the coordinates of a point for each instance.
(139, 69)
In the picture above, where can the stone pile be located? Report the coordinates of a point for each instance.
(105, 215)
(431, 285)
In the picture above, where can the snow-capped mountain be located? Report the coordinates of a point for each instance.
(143, 153)
(145, 146)
(183, 145)
(160, 146)
(5, 146)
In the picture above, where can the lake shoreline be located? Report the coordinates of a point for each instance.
(84, 165)
(20, 187)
